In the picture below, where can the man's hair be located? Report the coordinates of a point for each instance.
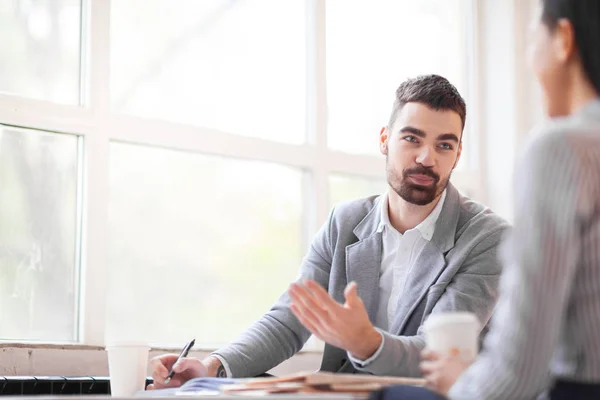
(584, 15)
(435, 91)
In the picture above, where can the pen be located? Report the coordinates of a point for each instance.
(183, 353)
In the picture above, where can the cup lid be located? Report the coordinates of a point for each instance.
(435, 320)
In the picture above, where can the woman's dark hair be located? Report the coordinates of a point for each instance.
(584, 15)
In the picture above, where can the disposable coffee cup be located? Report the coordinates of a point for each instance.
(453, 334)
(127, 365)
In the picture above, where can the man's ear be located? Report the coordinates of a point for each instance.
(383, 140)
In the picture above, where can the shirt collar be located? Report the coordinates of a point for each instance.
(426, 227)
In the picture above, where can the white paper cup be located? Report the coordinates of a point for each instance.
(127, 365)
(453, 334)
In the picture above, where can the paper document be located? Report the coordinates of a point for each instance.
(308, 383)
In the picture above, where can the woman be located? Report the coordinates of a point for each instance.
(545, 334)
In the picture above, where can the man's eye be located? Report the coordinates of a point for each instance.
(411, 139)
(446, 146)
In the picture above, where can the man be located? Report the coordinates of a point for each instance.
(420, 248)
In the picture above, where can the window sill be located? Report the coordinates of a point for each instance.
(53, 359)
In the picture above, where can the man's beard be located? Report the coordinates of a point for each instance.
(411, 192)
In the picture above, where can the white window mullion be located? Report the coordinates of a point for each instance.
(96, 188)
(316, 193)
(476, 142)
(43, 115)
(317, 118)
(207, 141)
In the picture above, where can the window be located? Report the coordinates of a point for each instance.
(345, 187)
(39, 234)
(372, 47)
(198, 237)
(171, 161)
(41, 49)
(216, 64)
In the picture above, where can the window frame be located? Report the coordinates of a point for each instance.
(98, 125)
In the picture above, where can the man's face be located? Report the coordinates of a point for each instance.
(422, 147)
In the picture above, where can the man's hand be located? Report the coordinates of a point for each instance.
(441, 372)
(187, 368)
(345, 326)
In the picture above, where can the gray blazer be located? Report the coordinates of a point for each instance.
(458, 270)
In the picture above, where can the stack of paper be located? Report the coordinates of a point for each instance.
(317, 382)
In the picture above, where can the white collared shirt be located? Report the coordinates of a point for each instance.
(398, 255)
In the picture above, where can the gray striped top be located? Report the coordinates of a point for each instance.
(547, 322)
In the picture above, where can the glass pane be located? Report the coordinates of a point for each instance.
(397, 39)
(235, 66)
(199, 246)
(40, 43)
(349, 187)
(38, 235)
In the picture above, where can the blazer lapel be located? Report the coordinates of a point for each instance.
(363, 263)
(430, 263)
(363, 259)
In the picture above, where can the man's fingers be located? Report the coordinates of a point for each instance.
(184, 364)
(321, 295)
(351, 295)
(309, 323)
(159, 382)
(150, 387)
(156, 377)
(305, 300)
(160, 365)
(315, 316)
